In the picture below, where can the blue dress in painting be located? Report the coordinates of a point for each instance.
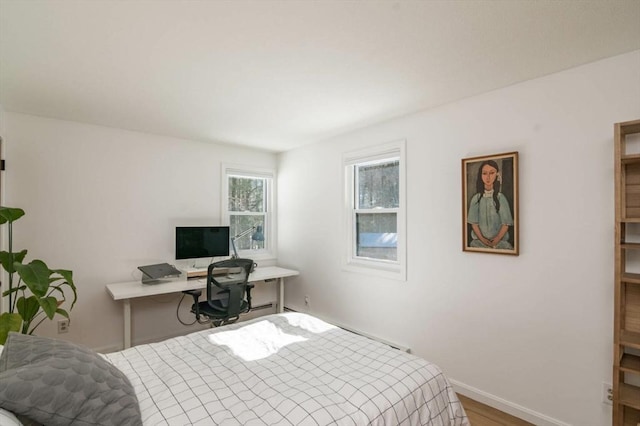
(482, 212)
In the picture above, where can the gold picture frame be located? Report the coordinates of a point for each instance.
(490, 204)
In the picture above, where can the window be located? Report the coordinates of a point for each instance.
(247, 209)
(375, 210)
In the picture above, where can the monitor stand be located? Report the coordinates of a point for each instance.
(201, 263)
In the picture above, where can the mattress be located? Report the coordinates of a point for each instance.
(285, 369)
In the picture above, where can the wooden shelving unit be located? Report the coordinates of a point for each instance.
(626, 347)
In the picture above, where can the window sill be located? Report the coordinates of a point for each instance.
(379, 269)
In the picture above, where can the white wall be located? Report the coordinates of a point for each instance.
(102, 201)
(531, 334)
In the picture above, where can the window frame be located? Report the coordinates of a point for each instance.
(394, 269)
(233, 170)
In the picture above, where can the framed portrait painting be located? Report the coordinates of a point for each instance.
(490, 204)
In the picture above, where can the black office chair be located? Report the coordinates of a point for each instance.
(227, 284)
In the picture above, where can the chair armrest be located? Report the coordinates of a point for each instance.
(195, 293)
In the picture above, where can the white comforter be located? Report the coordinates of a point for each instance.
(285, 369)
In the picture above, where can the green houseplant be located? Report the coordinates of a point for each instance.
(38, 293)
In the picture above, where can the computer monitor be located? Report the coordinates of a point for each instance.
(195, 242)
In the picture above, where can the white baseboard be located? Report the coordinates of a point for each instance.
(505, 406)
(397, 346)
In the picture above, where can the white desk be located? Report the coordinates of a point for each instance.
(133, 289)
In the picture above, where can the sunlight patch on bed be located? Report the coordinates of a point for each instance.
(255, 341)
(308, 322)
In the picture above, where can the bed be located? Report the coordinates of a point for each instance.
(282, 369)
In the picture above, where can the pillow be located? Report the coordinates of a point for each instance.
(55, 382)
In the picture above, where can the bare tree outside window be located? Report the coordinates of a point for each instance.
(247, 210)
(377, 201)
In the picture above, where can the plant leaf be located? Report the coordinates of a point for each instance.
(68, 277)
(14, 290)
(9, 322)
(62, 312)
(10, 214)
(35, 275)
(49, 305)
(28, 308)
(57, 288)
(7, 261)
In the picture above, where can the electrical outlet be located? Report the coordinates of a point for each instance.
(63, 326)
(607, 394)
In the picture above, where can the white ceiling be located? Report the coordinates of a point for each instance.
(280, 74)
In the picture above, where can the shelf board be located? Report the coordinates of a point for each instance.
(630, 127)
(629, 277)
(630, 395)
(630, 159)
(630, 363)
(630, 220)
(630, 246)
(630, 339)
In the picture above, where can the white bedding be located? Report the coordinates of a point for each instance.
(285, 369)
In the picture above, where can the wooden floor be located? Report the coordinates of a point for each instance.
(483, 415)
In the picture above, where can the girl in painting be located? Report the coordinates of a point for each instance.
(489, 212)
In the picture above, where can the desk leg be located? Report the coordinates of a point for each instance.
(280, 295)
(127, 322)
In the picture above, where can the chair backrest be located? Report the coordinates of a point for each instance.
(230, 278)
